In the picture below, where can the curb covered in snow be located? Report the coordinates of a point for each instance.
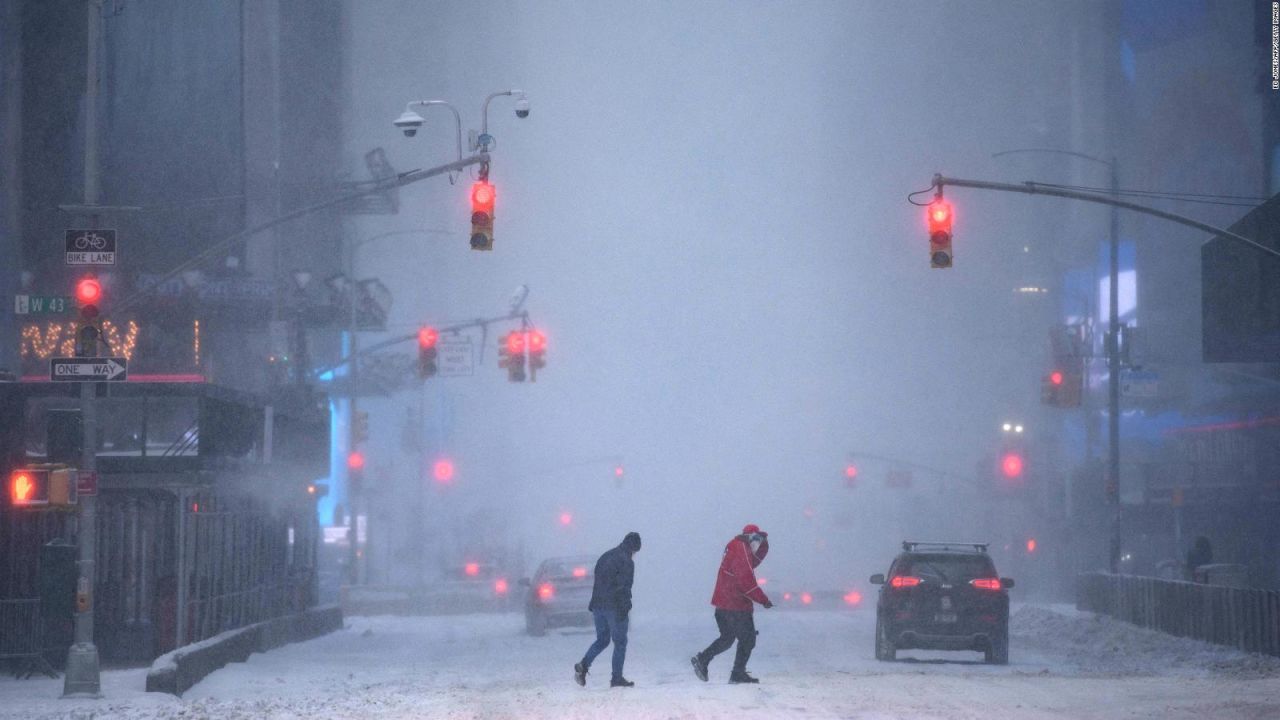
(176, 671)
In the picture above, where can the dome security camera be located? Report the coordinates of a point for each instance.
(522, 106)
(409, 121)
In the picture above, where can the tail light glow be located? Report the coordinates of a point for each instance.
(546, 591)
(904, 581)
(806, 598)
(471, 569)
(853, 597)
(986, 583)
(500, 586)
(579, 572)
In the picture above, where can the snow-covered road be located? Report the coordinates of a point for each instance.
(812, 665)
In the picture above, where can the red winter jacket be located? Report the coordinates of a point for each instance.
(736, 583)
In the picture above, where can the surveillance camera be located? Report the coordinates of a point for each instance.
(518, 297)
(409, 121)
(522, 107)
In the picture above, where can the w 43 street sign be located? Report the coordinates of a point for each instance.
(111, 369)
(41, 304)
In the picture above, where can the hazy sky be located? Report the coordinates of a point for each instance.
(708, 204)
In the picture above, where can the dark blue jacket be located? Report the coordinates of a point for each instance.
(615, 571)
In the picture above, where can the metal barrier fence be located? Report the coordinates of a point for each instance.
(21, 637)
(1243, 618)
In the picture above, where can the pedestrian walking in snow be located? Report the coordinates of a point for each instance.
(610, 606)
(736, 591)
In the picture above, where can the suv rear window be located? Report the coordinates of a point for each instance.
(949, 568)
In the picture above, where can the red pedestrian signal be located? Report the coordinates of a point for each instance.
(1055, 377)
(483, 196)
(939, 216)
(427, 353)
(29, 488)
(1062, 388)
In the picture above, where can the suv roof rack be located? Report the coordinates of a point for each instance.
(912, 545)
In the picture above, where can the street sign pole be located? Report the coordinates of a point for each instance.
(84, 677)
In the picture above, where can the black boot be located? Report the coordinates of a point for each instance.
(580, 674)
(621, 682)
(699, 667)
(740, 676)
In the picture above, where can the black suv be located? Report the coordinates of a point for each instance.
(943, 596)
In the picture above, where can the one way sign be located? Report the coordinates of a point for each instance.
(114, 369)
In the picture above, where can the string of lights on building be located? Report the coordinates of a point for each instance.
(57, 338)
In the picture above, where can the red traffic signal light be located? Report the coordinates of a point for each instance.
(427, 339)
(1011, 465)
(939, 216)
(618, 471)
(442, 470)
(511, 349)
(1055, 377)
(483, 197)
(851, 471)
(355, 460)
(537, 344)
(566, 518)
(88, 291)
(1062, 388)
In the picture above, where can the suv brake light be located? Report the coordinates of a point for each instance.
(546, 591)
(901, 581)
(986, 583)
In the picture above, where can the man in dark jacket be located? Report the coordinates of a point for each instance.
(736, 590)
(610, 606)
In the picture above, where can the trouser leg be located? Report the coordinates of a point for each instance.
(618, 632)
(602, 637)
(721, 643)
(746, 633)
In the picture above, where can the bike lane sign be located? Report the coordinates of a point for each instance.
(91, 247)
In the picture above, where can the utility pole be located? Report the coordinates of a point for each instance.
(83, 677)
(1113, 377)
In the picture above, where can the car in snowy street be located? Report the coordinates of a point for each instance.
(558, 594)
(943, 596)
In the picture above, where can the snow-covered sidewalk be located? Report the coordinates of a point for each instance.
(812, 665)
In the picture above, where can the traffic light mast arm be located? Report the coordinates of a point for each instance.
(216, 249)
(1034, 188)
(413, 337)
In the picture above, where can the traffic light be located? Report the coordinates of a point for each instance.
(355, 461)
(1012, 465)
(850, 475)
(482, 200)
(511, 348)
(939, 216)
(29, 488)
(1062, 388)
(537, 343)
(442, 470)
(88, 295)
(360, 427)
(427, 339)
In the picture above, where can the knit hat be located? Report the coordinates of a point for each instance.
(750, 528)
(631, 543)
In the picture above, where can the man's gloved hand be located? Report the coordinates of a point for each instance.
(768, 603)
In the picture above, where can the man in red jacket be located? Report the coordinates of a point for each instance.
(736, 590)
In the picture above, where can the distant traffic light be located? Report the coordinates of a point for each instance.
(939, 215)
(850, 475)
(427, 339)
(1062, 388)
(537, 344)
(442, 470)
(1011, 464)
(566, 518)
(482, 202)
(355, 461)
(511, 349)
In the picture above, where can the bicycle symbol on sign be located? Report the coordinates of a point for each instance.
(90, 240)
